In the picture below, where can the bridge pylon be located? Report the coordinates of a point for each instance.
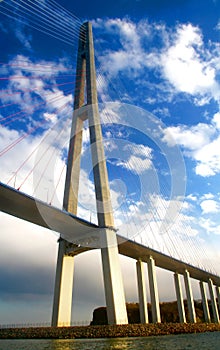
(86, 107)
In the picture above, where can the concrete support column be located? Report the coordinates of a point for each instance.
(205, 302)
(179, 295)
(213, 301)
(142, 292)
(218, 296)
(62, 303)
(114, 290)
(190, 301)
(155, 307)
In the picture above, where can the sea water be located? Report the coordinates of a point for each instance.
(199, 341)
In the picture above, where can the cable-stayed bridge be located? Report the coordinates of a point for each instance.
(83, 233)
(77, 235)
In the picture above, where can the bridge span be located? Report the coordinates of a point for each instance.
(82, 236)
(76, 230)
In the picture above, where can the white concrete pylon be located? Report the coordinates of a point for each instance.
(155, 306)
(213, 301)
(114, 290)
(62, 303)
(86, 107)
(205, 302)
(142, 292)
(179, 295)
(189, 295)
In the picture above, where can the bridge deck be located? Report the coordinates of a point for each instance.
(73, 229)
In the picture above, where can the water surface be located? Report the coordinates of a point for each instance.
(199, 341)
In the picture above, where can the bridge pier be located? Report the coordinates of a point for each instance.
(113, 284)
(62, 303)
(179, 295)
(142, 292)
(155, 306)
(189, 295)
(205, 302)
(213, 301)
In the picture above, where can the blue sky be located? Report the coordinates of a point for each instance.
(158, 67)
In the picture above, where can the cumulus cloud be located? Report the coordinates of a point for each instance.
(208, 158)
(132, 54)
(200, 142)
(207, 196)
(125, 58)
(210, 226)
(209, 206)
(184, 63)
(191, 197)
(192, 138)
(41, 149)
(38, 102)
(32, 85)
(191, 66)
(216, 120)
(139, 158)
(181, 57)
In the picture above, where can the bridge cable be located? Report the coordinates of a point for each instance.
(39, 28)
(66, 32)
(15, 142)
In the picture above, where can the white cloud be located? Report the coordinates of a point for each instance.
(30, 80)
(192, 138)
(209, 206)
(200, 142)
(50, 116)
(192, 197)
(138, 165)
(42, 106)
(162, 112)
(208, 196)
(134, 157)
(204, 170)
(181, 58)
(210, 227)
(130, 55)
(140, 158)
(208, 158)
(40, 163)
(216, 120)
(153, 225)
(125, 28)
(55, 98)
(184, 62)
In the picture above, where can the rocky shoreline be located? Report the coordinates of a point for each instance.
(119, 331)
